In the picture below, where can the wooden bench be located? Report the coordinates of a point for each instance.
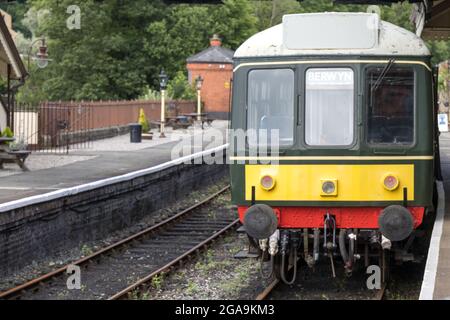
(12, 156)
(17, 157)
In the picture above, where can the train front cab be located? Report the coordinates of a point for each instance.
(356, 150)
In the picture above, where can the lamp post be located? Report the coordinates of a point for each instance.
(198, 84)
(163, 85)
(41, 57)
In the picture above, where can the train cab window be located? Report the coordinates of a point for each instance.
(390, 99)
(329, 107)
(271, 103)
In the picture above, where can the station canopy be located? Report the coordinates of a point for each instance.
(9, 56)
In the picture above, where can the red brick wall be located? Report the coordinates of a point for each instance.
(216, 85)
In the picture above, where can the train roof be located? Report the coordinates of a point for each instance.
(333, 33)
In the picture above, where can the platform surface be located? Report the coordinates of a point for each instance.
(101, 163)
(442, 279)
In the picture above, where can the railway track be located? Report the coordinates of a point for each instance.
(125, 267)
(379, 295)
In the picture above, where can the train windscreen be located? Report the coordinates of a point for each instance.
(329, 107)
(271, 105)
(390, 109)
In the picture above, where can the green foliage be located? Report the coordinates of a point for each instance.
(105, 58)
(150, 94)
(270, 13)
(440, 50)
(184, 31)
(444, 78)
(17, 10)
(157, 281)
(235, 22)
(179, 88)
(143, 121)
(7, 132)
(122, 45)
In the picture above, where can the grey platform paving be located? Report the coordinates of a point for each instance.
(104, 165)
(442, 224)
(436, 281)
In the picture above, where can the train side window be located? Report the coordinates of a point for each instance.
(390, 106)
(271, 103)
(329, 107)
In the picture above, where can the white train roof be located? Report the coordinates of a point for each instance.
(333, 33)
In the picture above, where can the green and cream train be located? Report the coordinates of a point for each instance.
(351, 172)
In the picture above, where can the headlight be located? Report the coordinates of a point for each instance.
(390, 182)
(267, 182)
(329, 187)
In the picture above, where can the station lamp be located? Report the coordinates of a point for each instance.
(163, 79)
(41, 56)
(199, 83)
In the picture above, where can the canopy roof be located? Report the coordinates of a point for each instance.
(9, 54)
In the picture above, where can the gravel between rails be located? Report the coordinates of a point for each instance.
(38, 268)
(108, 275)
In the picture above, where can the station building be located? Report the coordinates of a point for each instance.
(12, 70)
(215, 66)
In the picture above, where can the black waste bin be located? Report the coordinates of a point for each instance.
(135, 133)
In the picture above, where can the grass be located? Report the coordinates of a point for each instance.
(157, 281)
(192, 288)
(239, 280)
(86, 250)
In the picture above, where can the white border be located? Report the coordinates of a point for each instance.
(12, 205)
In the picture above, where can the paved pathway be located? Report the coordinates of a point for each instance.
(108, 158)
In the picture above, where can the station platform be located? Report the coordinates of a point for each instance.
(436, 282)
(104, 159)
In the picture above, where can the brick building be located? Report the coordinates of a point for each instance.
(215, 66)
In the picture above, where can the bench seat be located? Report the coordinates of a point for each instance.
(18, 157)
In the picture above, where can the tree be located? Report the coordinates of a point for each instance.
(186, 30)
(17, 10)
(179, 88)
(235, 22)
(102, 60)
(440, 50)
(270, 13)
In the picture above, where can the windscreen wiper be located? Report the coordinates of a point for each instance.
(383, 74)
